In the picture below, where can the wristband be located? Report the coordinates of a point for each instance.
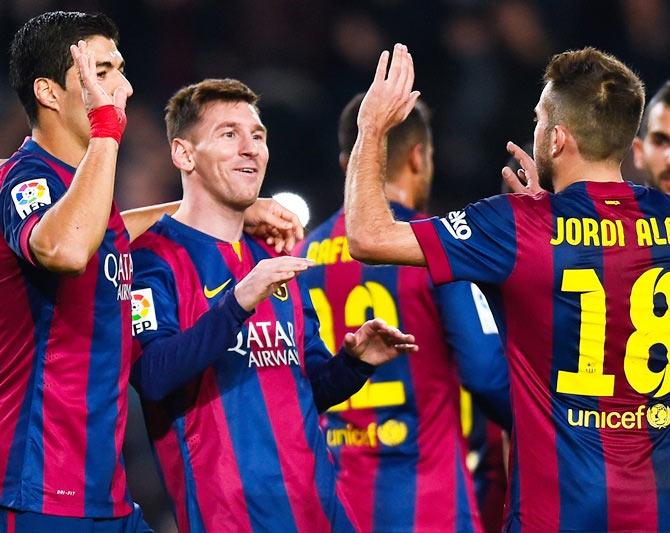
(107, 121)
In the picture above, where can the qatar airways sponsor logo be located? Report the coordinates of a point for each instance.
(268, 344)
(656, 416)
(457, 225)
(118, 270)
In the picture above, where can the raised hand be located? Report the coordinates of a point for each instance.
(376, 342)
(92, 91)
(526, 180)
(390, 98)
(270, 220)
(266, 277)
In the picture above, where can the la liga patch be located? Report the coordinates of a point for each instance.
(143, 310)
(28, 196)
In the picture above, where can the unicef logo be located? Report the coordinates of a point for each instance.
(658, 416)
(392, 432)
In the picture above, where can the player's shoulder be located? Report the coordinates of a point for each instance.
(24, 165)
(155, 240)
(644, 193)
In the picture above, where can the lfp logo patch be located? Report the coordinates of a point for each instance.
(143, 310)
(30, 195)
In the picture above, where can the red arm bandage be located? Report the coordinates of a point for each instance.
(108, 121)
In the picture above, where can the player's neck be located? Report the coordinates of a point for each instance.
(204, 213)
(601, 171)
(396, 192)
(61, 144)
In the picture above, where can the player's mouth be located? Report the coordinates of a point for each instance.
(248, 171)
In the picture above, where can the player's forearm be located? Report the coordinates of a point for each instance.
(337, 379)
(71, 231)
(372, 233)
(169, 363)
(365, 206)
(137, 221)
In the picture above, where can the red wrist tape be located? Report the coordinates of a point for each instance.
(108, 121)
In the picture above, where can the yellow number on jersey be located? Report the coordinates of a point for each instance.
(650, 329)
(374, 296)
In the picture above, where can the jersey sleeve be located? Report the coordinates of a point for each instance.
(170, 357)
(29, 190)
(473, 337)
(154, 300)
(477, 243)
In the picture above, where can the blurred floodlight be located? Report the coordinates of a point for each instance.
(295, 203)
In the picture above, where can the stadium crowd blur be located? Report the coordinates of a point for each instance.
(479, 66)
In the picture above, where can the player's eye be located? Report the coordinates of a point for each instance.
(229, 134)
(102, 74)
(258, 137)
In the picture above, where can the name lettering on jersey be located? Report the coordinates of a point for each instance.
(268, 344)
(390, 433)
(119, 270)
(330, 251)
(457, 225)
(656, 416)
(608, 233)
(143, 311)
(30, 195)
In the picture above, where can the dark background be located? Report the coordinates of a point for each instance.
(478, 65)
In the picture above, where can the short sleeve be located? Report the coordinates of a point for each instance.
(29, 189)
(154, 300)
(476, 244)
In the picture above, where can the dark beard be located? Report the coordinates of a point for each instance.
(545, 173)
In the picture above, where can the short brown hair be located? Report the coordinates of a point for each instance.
(184, 108)
(415, 129)
(598, 98)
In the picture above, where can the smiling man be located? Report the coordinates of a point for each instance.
(233, 372)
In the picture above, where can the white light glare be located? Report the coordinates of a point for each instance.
(295, 203)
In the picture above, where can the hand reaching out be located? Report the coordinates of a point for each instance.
(376, 342)
(280, 227)
(266, 277)
(526, 180)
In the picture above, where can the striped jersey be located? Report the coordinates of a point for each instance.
(239, 447)
(398, 444)
(65, 348)
(582, 285)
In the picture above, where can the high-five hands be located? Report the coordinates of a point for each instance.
(390, 97)
(376, 342)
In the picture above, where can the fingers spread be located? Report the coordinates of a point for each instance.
(380, 73)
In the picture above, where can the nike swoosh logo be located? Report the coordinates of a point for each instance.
(212, 293)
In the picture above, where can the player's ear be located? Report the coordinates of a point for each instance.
(559, 138)
(344, 161)
(417, 158)
(638, 153)
(182, 158)
(45, 93)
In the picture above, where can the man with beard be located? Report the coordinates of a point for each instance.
(580, 282)
(651, 148)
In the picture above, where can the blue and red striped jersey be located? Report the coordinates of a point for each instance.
(398, 444)
(239, 446)
(582, 280)
(65, 349)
